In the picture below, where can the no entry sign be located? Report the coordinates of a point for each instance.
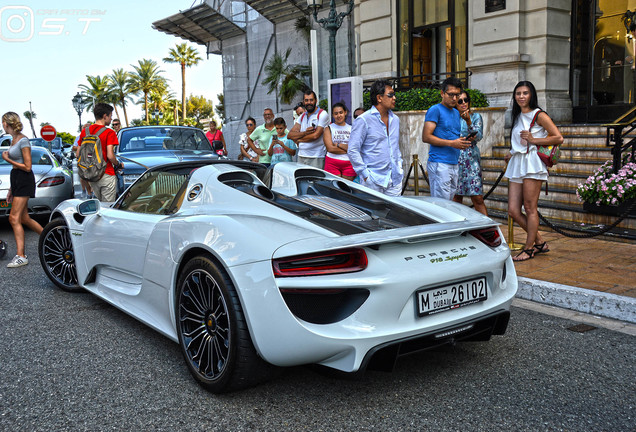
(48, 133)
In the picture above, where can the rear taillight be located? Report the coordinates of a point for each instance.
(488, 236)
(332, 262)
(51, 181)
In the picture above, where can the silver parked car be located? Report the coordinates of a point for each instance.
(5, 142)
(54, 183)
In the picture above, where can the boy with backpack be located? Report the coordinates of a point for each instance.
(96, 161)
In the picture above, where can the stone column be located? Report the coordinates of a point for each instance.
(375, 22)
(529, 40)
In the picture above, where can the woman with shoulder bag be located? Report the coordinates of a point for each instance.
(531, 127)
(215, 134)
(22, 185)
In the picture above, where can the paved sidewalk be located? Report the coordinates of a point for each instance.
(587, 275)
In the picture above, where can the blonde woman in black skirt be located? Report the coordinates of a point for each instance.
(22, 185)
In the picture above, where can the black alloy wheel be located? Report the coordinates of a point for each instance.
(57, 256)
(213, 334)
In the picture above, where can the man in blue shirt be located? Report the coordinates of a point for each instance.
(442, 128)
(374, 149)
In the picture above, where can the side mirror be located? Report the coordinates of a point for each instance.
(217, 145)
(88, 207)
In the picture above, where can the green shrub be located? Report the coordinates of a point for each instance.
(422, 99)
(67, 138)
(477, 98)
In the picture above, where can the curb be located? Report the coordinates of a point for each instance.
(578, 299)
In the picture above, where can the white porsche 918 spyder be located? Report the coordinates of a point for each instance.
(250, 270)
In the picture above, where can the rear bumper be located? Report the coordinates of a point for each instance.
(383, 357)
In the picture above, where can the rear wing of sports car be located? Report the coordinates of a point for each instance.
(415, 234)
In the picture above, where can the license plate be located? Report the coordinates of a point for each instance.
(453, 296)
(4, 204)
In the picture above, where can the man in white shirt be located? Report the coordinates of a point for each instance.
(307, 132)
(374, 149)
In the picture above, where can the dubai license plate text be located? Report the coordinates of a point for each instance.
(453, 296)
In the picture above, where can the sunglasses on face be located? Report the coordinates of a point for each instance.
(462, 101)
(249, 124)
(390, 95)
(452, 95)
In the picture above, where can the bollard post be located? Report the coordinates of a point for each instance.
(511, 236)
(416, 175)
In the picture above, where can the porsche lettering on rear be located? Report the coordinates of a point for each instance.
(445, 254)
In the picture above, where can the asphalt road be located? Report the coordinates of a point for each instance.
(73, 362)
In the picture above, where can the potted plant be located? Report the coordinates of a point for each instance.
(607, 193)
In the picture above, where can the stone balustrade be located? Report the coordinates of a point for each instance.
(412, 123)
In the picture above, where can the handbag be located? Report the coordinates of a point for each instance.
(549, 155)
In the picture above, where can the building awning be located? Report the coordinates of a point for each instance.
(278, 11)
(200, 24)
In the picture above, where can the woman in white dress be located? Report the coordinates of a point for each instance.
(525, 171)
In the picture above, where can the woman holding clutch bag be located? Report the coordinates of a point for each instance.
(525, 171)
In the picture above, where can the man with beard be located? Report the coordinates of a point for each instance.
(260, 139)
(307, 132)
(442, 127)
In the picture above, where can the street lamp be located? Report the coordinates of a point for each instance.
(157, 114)
(331, 23)
(79, 104)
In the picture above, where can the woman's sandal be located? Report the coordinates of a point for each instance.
(541, 248)
(528, 252)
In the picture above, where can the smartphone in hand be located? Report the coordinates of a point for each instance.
(471, 135)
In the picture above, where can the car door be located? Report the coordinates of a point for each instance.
(115, 246)
(116, 242)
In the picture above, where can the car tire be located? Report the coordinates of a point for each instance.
(57, 256)
(213, 334)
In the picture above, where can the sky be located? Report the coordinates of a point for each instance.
(47, 48)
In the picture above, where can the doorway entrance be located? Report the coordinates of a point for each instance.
(603, 74)
(432, 41)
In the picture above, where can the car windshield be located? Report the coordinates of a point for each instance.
(56, 144)
(157, 192)
(162, 138)
(39, 156)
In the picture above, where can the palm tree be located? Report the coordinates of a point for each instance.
(160, 97)
(146, 78)
(172, 107)
(30, 115)
(96, 91)
(186, 56)
(113, 100)
(285, 78)
(120, 88)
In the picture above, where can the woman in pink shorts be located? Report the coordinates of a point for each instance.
(336, 139)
